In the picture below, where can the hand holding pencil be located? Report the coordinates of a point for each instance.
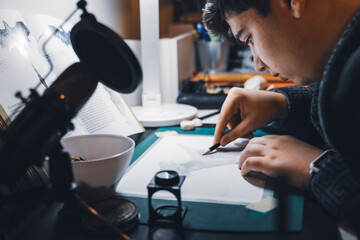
(244, 111)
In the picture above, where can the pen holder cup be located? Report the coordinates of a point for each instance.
(211, 57)
(106, 158)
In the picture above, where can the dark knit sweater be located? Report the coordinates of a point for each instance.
(337, 185)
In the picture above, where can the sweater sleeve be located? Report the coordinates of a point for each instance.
(297, 121)
(337, 188)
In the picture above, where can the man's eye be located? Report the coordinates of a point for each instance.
(248, 40)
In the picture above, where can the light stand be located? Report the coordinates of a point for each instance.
(153, 113)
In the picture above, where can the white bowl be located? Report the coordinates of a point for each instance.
(106, 157)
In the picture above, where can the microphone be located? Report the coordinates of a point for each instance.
(104, 57)
(44, 120)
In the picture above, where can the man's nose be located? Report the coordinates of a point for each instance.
(258, 63)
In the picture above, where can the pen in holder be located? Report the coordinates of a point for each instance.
(211, 57)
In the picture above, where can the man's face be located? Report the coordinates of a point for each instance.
(279, 43)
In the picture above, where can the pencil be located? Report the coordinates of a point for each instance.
(212, 148)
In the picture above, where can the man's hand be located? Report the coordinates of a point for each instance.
(246, 110)
(275, 155)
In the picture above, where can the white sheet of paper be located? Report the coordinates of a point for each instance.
(211, 120)
(204, 112)
(210, 178)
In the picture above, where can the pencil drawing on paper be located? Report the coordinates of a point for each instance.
(210, 178)
(61, 34)
(9, 34)
(18, 37)
(195, 161)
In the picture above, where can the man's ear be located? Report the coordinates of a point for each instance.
(297, 7)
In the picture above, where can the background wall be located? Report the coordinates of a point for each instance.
(105, 13)
(129, 18)
(122, 16)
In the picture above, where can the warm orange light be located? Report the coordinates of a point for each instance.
(62, 96)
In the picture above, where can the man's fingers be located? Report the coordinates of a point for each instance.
(249, 135)
(240, 130)
(233, 122)
(258, 140)
(257, 164)
(219, 131)
(228, 111)
(220, 128)
(251, 150)
(256, 178)
(252, 164)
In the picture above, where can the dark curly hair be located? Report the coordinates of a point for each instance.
(214, 16)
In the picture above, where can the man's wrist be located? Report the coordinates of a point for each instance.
(318, 162)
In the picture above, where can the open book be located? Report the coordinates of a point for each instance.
(23, 65)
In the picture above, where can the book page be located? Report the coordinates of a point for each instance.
(105, 111)
(58, 48)
(22, 65)
(210, 178)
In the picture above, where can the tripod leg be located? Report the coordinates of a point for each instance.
(62, 184)
(90, 209)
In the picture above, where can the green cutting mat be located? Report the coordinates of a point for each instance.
(222, 217)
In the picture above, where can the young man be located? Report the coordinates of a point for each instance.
(310, 42)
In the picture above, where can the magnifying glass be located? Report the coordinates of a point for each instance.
(167, 178)
(169, 213)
